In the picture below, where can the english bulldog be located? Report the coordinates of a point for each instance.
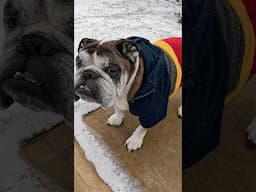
(36, 66)
(129, 74)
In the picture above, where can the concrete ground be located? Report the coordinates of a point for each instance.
(231, 167)
(157, 165)
(51, 154)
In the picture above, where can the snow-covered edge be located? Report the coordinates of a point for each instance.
(97, 152)
(17, 173)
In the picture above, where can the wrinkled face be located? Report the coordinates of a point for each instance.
(38, 54)
(103, 70)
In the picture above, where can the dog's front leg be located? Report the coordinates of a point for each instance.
(135, 141)
(116, 119)
(251, 131)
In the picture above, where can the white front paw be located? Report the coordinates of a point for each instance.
(251, 131)
(135, 141)
(115, 120)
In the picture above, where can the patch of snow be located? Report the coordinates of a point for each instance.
(96, 151)
(112, 19)
(17, 124)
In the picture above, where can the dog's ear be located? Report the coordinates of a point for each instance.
(87, 43)
(128, 49)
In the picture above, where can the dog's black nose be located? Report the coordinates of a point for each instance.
(90, 75)
(36, 44)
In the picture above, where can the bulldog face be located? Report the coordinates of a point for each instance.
(36, 67)
(105, 71)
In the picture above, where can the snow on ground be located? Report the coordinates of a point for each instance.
(113, 19)
(100, 155)
(152, 19)
(16, 124)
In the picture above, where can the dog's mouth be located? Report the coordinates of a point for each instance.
(23, 87)
(84, 92)
(90, 95)
(35, 81)
(26, 77)
(30, 68)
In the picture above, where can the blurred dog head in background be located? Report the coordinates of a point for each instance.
(36, 67)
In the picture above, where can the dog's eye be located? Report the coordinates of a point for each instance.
(113, 70)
